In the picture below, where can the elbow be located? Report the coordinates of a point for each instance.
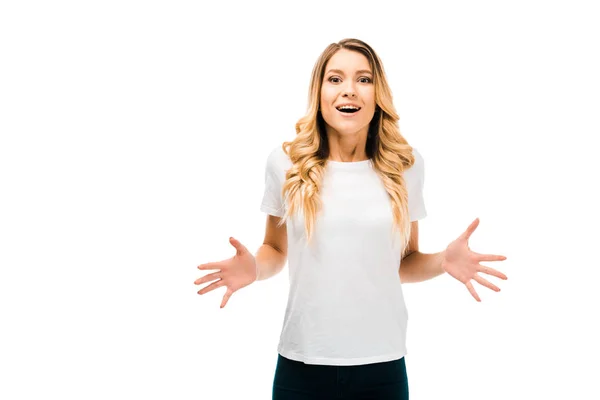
(405, 271)
(408, 253)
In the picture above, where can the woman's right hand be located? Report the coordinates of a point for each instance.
(236, 272)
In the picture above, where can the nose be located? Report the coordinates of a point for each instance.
(348, 90)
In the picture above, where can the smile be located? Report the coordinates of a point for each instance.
(348, 109)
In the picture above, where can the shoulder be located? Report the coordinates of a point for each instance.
(418, 158)
(417, 170)
(278, 158)
(278, 161)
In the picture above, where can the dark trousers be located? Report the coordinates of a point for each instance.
(295, 380)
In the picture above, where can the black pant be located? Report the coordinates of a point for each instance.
(295, 380)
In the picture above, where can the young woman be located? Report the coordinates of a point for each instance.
(343, 201)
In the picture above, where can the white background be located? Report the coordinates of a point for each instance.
(134, 137)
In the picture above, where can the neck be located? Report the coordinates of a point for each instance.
(348, 147)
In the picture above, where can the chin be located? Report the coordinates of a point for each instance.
(349, 129)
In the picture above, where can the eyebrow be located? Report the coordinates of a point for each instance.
(339, 71)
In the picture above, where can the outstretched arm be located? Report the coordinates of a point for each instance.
(419, 267)
(457, 259)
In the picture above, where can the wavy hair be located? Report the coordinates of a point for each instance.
(386, 147)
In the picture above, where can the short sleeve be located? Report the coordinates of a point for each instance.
(415, 180)
(272, 202)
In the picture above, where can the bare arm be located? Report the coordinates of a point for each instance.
(417, 266)
(272, 255)
(269, 262)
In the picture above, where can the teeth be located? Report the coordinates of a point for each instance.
(347, 108)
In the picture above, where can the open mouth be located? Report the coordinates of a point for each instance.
(348, 109)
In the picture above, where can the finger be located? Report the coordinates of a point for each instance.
(207, 278)
(211, 265)
(212, 286)
(472, 291)
(485, 283)
(226, 297)
(492, 271)
(489, 257)
(471, 229)
(238, 246)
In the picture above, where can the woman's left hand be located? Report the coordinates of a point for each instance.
(463, 264)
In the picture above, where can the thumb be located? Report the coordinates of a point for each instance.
(467, 234)
(238, 246)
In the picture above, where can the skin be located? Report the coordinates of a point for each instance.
(348, 78)
(458, 260)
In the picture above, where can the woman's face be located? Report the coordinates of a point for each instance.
(348, 81)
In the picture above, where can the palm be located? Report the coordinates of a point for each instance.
(463, 264)
(236, 272)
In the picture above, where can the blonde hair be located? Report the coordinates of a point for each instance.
(386, 147)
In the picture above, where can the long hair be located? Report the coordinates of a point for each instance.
(386, 147)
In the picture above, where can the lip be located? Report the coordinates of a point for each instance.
(348, 115)
(348, 104)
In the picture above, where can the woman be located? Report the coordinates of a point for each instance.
(345, 196)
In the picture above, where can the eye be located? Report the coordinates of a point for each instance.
(331, 79)
(365, 79)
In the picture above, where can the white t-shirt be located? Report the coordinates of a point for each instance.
(345, 304)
